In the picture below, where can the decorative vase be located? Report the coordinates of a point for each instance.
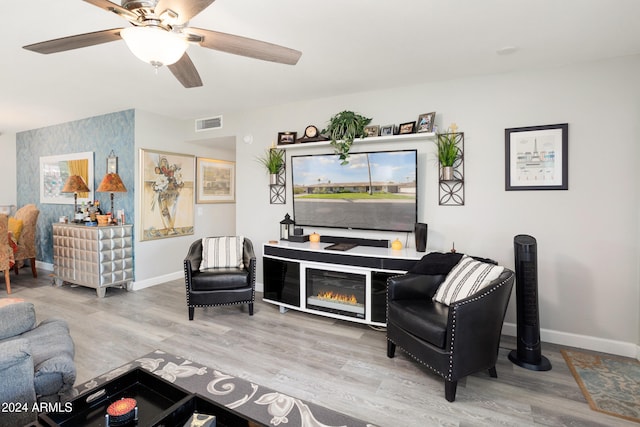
(420, 231)
(273, 178)
(447, 173)
(168, 203)
(314, 237)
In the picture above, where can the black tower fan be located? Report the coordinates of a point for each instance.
(529, 352)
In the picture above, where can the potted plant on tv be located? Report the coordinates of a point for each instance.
(342, 129)
(273, 160)
(447, 153)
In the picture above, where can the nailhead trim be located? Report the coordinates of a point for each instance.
(253, 290)
(448, 375)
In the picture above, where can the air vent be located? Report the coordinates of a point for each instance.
(209, 123)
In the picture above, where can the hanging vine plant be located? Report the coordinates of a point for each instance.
(342, 129)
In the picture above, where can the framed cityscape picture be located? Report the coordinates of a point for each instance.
(536, 157)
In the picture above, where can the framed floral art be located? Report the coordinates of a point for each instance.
(167, 194)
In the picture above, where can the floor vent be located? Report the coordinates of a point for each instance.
(209, 123)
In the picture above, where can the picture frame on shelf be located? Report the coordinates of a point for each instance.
(536, 157)
(387, 130)
(406, 128)
(372, 130)
(215, 181)
(425, 122)
(285, 138)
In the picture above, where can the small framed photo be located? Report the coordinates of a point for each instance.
(112, 163)
(425, 122)
(387, 130)
(408, 127)
(372, 130)
(285, 138)
(536, 157)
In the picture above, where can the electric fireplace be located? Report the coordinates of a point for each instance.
(336, 292)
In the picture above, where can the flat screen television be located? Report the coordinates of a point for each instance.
(374, 191)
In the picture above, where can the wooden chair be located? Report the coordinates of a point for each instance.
(5, 250)
(27, 241)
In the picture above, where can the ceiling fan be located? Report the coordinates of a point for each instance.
(160, 36)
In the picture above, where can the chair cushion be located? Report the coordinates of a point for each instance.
(15, 227)
(222, 252)
(423, 318)
(465, 279)
(220, 279)
(435, 263)
(52, 350)
(16, 319)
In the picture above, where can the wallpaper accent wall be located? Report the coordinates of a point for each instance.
(100, 134)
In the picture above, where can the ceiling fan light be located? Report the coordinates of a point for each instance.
(154, 45)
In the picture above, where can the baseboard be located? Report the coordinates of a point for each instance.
(604, 345)
(141, 284)
(44, 266)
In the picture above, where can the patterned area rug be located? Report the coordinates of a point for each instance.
(265, 405)
(610, 384)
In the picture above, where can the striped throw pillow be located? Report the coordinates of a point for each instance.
(465, 279)
(222, 252)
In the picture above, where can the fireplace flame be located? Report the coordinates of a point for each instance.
(334, 296)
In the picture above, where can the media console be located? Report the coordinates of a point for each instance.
(349, 285)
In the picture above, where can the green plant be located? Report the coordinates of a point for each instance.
(447, 148)
(273, 160)
(342, 129)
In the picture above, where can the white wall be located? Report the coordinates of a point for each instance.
(588, 237)
(157, 261)
(8, 194)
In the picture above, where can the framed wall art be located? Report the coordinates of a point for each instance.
(216, 181)
(536, 157)
(166, 194)
(54, 171)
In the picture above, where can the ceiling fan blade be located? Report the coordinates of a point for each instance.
(183, 8)
(244, 46)
(75, 42)
(186, 72)
(115, 8)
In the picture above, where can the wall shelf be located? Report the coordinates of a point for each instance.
(278, 191)
(451, 191)
(368, 140)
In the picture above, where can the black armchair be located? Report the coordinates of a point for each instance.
(452, 341)
(219, 286)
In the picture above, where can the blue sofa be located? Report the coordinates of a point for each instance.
(36, 362)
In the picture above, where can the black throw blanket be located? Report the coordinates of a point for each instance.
(436, 263)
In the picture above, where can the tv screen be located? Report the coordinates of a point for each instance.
(374, 191)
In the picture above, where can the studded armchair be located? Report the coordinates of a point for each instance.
(452, 341)
(27, 241)
(219, 286)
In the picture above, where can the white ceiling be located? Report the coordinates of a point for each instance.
(347, 45)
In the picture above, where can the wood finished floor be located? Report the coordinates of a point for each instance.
(333, 363)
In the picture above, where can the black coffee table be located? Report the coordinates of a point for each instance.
(160, 403)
